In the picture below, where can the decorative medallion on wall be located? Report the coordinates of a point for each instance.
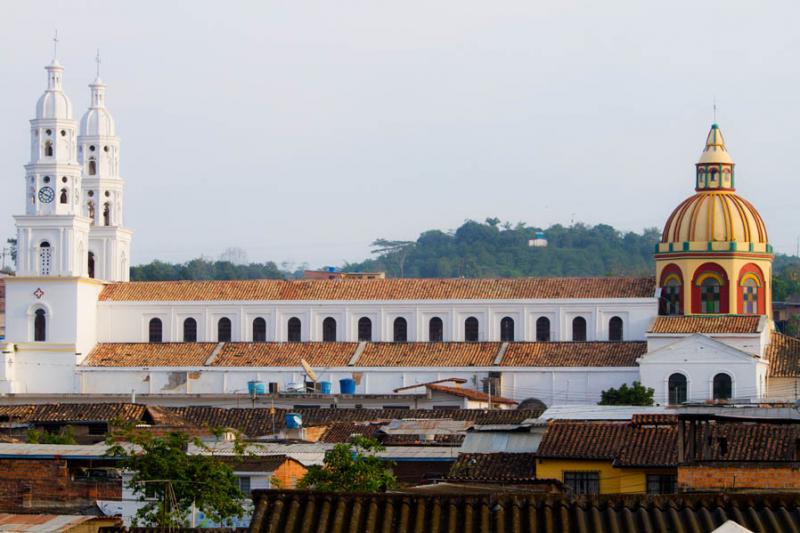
(38, 293)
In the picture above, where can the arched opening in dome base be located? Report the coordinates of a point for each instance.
(710, 290)
(750, 291)
(671, 283)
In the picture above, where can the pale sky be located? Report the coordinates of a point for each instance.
(303, 130)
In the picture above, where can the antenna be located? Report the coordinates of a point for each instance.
(55, 44)
(97, 59)
(309, 371)
(715, 109)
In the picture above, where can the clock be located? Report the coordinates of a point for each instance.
(46, 195)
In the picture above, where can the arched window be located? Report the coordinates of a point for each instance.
(710, 295)
(710, 290)
(507, 329)
(471, 327)
(671, 290)
(723, 387)
(224, 330)
(106, 214)
(364, 329)
(90, 266)
(750, 296)
(40, 326)
(92, 166)
(400, 330)
(329, 330)
(578, 328)
(615, 329)
(294, 329)
(543, 329)
(48, 149)
(435, 330)
(190, 330)
(63, 198)
(750, 292)
(155, 330)
(259, 330)
(45, 258)
(677, 388)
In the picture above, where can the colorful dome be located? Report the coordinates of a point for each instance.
(715, 216)
(715, 213)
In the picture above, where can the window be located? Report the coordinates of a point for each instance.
(578, 328)
(723, 387)
(435, 330)
(48, 149)
(677, 388)
(507, 329)
(63, 198)
(661, 483)
(471, 329)
(190, 330)
(244, 485)
(106, 214)
(543, 329)
(400, 330)
(45, 258)
(259, 330)
(750, 296)
(155, 330)
(364, 329)
(92, 166)
(671, 294)
(294, 329)
(329, 330)
(90, 266)
(39, 326)
(710, 295)
(615, 329)
(224, 330)
(583, 482)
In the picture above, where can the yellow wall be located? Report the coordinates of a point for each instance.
(731, 264)
(612, 480)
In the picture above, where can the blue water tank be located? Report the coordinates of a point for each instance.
(293, 420)
(325, 387)
(256, 387)
(330, 269)
(347, 386)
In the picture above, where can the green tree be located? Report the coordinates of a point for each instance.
(398, 250)
(169, 481)
(351, 467)
(636, 395)
(65, 436)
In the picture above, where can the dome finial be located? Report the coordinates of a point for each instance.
(55, 46)
(715, 150)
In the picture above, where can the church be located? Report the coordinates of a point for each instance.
(699, 330)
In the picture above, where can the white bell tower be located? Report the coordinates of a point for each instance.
(52, 235)
(102, 197)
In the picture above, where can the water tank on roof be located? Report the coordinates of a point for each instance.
(347, 386)
(293, 420)
(256, 387)
(330, 269)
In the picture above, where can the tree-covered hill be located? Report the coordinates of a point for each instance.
(491, 249)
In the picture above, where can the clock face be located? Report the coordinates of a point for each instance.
(46, 195)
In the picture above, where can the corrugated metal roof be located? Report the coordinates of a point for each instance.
(599, 412)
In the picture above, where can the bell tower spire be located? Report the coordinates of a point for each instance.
(715, 167)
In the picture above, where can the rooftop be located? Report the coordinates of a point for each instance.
(737, 324)
(381, 289)
(494, 468)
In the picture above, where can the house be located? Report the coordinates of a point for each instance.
(57, 523)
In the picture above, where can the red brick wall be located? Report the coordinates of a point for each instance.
(714, 478)
(32, 483)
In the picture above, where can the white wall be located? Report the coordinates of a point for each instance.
(127, 321)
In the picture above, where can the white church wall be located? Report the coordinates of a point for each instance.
(753, 343)
(126, 321)
(558, 386)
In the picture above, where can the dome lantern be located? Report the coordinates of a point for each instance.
(715, 167)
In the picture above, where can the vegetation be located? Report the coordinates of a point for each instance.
(65, 436)
(169, 481)
(351, 468)
(205, 269)
(636, 395)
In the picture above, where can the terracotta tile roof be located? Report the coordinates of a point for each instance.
(758, 442)
(73, 412)
(494, 468)
(584, 440)
(654, 419)
(470, 394)
(649, 446)
(429, 354)
(573, 353)
(706, 324)
(783, 354)
(150, 354)
(324, 512)
(381, 289)
(285, 353)
(257, 422)
(341, 432)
